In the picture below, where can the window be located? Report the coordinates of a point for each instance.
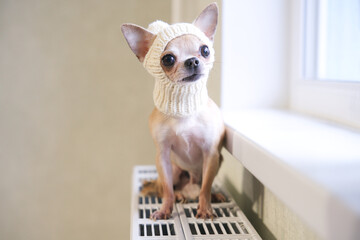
(332, 40)
(301, 55)
(325, 60)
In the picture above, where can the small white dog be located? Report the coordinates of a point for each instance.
(186, 124)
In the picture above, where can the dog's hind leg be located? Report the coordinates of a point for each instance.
(152, 188)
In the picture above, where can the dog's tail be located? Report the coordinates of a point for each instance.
(152, 188)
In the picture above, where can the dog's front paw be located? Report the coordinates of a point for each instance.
(205, 213)
(161, 214)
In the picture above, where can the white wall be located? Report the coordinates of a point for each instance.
(254, 54)
(74, 106)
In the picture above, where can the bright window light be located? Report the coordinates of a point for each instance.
(332, 40)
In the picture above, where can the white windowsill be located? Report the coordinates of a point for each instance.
(311, 165)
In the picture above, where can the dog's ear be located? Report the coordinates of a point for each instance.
(138, 38)
(207, 20)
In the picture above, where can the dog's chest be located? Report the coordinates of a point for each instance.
(191, 137)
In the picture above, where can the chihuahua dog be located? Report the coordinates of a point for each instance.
(186, 125)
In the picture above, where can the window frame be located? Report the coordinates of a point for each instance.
(337, 101)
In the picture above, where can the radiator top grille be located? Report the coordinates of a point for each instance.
(230, 222)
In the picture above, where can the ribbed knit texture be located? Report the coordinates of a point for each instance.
(175, 99)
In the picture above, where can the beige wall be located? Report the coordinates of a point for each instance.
(74, 103)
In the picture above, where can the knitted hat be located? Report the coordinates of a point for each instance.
(179, 99)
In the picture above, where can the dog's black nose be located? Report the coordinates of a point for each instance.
(192, 63)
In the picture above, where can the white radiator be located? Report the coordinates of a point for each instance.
(230, 223)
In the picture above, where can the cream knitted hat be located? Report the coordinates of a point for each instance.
(174, 99)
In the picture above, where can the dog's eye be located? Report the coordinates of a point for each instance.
(168, 60)
(205, 51)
